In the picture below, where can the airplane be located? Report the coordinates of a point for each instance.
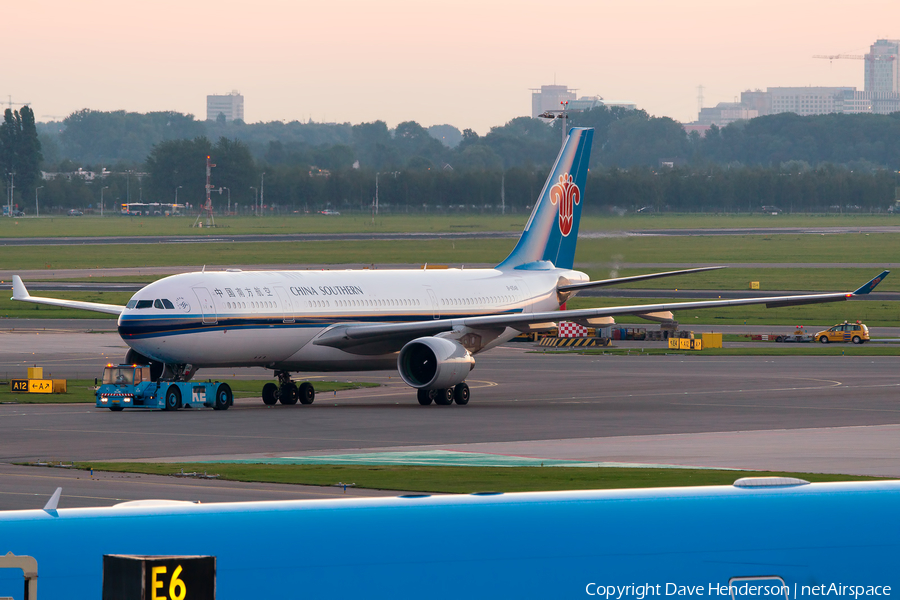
(426, 324)
(769, 537)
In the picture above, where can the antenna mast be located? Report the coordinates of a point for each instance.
(207, 207)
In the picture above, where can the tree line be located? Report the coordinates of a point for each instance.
(638, 161)
(20, 152)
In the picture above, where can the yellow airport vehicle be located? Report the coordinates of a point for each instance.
(857, 333)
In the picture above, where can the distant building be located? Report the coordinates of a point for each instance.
(549, 97)
(806, 101)
(881, 95)
(231, 106)
(724, 113)
(883, 67)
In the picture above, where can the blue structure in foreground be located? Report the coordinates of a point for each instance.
(669, 543)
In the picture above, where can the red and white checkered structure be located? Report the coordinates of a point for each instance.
(568, 329)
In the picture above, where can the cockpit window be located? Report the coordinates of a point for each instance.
(144, 304)
(131, 304)
(168, 304)
(157, 303)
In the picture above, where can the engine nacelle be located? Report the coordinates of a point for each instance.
(433, 363)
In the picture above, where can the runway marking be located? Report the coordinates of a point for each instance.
(440, 458)
(790, 406)
(117, 478)
(832, 385)
(225, 436)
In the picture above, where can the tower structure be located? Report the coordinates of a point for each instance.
(207, 206)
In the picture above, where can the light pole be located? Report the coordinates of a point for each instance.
(12, 189)
(262, 191)
(37, 212)
(254, 197)
(394, 173)
(176, 194)
(229, 196)
(105, 187)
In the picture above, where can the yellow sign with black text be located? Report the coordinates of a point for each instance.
(40, 386)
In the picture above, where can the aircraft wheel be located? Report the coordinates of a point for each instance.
(461, 393)
(779, 339)
(287, 394)
(173, 398)
(270, 394)
(823, 340)
(424, 397)
(224, 397)
(306, 393)
(443, 397)
(116, 408)
(857, 339)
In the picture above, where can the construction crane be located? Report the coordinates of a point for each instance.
(11, 103)
(872, 58)
(869, 57)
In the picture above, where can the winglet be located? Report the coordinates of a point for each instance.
(871, 285)
(53, 502)
(19, 291)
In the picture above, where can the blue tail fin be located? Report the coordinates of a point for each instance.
(552, 229)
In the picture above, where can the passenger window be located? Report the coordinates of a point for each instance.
(144, 304)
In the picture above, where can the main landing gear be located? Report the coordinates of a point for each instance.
(445, 397)
(287, 392)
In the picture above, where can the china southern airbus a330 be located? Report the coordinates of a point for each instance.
(427, 324)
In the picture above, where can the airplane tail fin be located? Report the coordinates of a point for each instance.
(552, 229)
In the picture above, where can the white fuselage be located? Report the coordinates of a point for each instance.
(269, 318)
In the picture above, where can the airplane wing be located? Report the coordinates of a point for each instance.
(20, 293)
(572, 287)
(394, 335)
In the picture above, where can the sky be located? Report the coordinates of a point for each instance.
(468, 63)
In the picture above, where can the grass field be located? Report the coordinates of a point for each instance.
(358, 223)
(460, 480)
(870, 312)
(596, 253)
(82, 390)
(799, 278)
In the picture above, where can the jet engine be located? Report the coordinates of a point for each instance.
(432, 363)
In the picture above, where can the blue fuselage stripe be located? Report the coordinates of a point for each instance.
(134, 328)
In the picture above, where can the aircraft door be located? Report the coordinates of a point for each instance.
(206, 305)
(524, 295)
(287, 304)
(12, 568)
(435, 309)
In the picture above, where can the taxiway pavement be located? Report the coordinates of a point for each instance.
(819, 414)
